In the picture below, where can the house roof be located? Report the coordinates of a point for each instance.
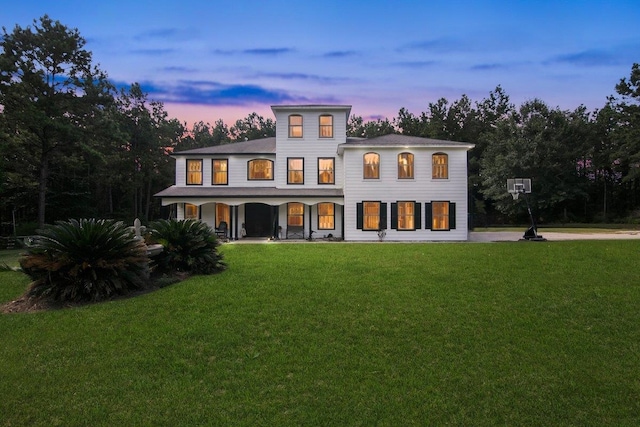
(254, 146)
(394, 140)
(249, 192)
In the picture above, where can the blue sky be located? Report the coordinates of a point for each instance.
(225, 59)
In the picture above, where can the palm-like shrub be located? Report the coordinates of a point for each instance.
(189, 246)
(85, 260)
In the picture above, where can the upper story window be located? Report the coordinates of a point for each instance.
(405, 166)
(326, 172)
(440, 166)
(260, 169)
(295, 170)
(194, 172)
(371, 166)
(295, 126)
(326, 126)
(220, 175)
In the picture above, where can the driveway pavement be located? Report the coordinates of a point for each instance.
(513, 236)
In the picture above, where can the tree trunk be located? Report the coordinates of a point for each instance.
(42, 189)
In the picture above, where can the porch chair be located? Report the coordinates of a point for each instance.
(295, 232)
(221, 230)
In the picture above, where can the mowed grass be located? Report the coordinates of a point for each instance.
(343, 334)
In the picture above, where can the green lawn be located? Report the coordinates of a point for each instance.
(345, 334)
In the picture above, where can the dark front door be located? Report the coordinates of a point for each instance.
(258, 220)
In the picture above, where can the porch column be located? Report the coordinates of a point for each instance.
(235, 214)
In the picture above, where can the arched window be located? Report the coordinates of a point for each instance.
(295, 126)
(326, 126)
(440, 166)
(405, 166)
(371, 166)
(260, 169)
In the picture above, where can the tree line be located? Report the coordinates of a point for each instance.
(73, 145)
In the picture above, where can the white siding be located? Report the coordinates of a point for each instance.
(422, 189)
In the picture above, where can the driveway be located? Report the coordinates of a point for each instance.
(513, 236)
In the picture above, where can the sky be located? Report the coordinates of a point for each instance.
(217, 59)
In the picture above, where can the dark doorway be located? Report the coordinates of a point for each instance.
(258, 220)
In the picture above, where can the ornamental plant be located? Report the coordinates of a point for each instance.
(190, 246)
(85, 260)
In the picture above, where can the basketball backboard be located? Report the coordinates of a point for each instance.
(516, 186)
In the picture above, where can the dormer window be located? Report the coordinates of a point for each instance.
(295, 126)
(326, 126)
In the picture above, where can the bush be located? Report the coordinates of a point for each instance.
(189, 246)
(85, 260)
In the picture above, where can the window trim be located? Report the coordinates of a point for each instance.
(289, 170)
(213, 172)
(364, 165)
(411, 165)
(249, 162)
(435, 166)
(333, 171)
(321, 126)
(289, 216)
(292, 127)
(197, 213)
(382, 215)
(189, 161)
(417, 215)
(333, 215)
(451, 215)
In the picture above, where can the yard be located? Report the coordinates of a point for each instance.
(344, 334)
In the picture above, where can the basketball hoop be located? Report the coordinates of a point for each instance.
(515, 195)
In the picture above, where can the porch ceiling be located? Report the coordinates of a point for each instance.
(240, 195)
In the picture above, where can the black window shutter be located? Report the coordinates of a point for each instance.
(427, 216)
(383, 216)
(359, 216)
(452, 216)
(418, 216)
(394, 215)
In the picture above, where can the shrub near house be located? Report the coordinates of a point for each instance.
(85, 260)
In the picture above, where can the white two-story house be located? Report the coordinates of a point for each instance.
(311, 177)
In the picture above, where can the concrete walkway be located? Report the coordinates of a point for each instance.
(513, 236)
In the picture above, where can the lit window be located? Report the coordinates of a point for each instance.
(440, 166)
(295, 214)
(326, 216)
(190, 211)
(326, 171)
(295, 171)
(440, 215)
(406, 216)
(372, 166)
(326, 126)
(260, 169)
(405, 166)
(295, 126)
(194, 172)
(220, 172)
(222, 214)
(371, 215)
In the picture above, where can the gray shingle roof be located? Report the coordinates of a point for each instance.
(255, 146)
(397, 139)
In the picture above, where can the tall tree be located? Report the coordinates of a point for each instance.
(48, 89)
(254, 126)
(357, 127)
